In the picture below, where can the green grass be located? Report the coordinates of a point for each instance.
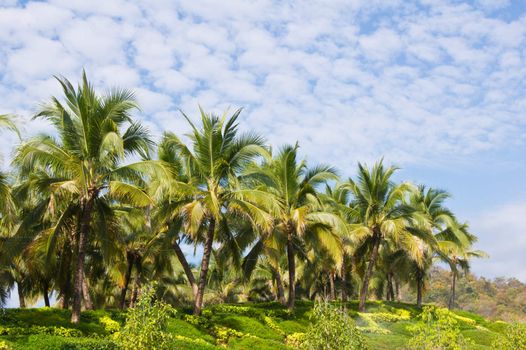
(234, 326)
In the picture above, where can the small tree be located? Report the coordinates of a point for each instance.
(146, 323)
(332, 329)
(437, 330)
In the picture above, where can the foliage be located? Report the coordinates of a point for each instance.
(332, 329)
(437, 329)
(514, 338)
(146, 324)
(496, 299)
(110, 325)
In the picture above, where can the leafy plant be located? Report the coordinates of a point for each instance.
(332, 329)
(514, 338)
(146, 324)
(437, 329)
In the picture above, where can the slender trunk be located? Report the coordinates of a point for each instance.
(390, 292)
(397, 290)
(451, 303)
(207, 252)
(344, 280)
(369, 272)
(186, 267)
(130, 259)
(292, 270)
(138, 280)
(279, 285)
(88, 303)
(21, 298)
(87, 207)
(419, 284)
(332, 286)
(45, 292)
(65, 274)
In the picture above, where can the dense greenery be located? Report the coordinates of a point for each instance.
(387, 325)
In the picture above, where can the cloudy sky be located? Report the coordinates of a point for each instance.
(437, 87)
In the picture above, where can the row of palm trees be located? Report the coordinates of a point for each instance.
(97, 209)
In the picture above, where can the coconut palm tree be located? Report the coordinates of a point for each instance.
(382, 217)
(217, 155)
(456, 249)
(96, 134)
(301, 218)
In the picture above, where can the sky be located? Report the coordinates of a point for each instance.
(436, 87)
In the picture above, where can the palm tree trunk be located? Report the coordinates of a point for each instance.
(397, 290)
(207, 252)
(21, 298)
(279, 285)
(419, 284)
(390, 292)
(88, 303)
(451, 303)
(369, 272)
(332, 286)
(130, 258)
(344, 280)
(186, 267)
(65, 274)
(87, 207)
(45, 292)
(292, 270)
(138, 280)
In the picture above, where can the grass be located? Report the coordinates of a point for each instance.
(232, 326)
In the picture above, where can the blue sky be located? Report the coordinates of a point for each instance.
(437, 87)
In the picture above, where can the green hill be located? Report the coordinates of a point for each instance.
(232, 326)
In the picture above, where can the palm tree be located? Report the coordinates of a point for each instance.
(217, 155)
(456, 250)
(95, 136)
(301, 217)
(378, 203)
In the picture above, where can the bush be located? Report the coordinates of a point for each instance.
(332, 329)
(109, 325)
(514, 338)
(49, 342)
(437, 329)
(4, 345)
(146, 324)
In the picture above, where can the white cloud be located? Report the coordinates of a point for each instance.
(502, 234)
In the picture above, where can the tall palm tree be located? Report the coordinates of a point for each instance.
(217, 155)
(96, 134)
(378, 202)
(456, 249)
(301, 217)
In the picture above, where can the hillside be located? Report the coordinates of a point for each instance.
(241, 326)
(496, 299)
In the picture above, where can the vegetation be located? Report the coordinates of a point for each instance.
(95, 212)
(437, 329)
(332, 328)
(498, 299)
(268, 325)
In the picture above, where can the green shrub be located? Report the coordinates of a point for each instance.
(146, 324)
(514, 338)
(109, 325)
(49, 342)
(4, 345)
(58, 331)
(295, 340)
(254, 343)
(332, 329)
(437, 329)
